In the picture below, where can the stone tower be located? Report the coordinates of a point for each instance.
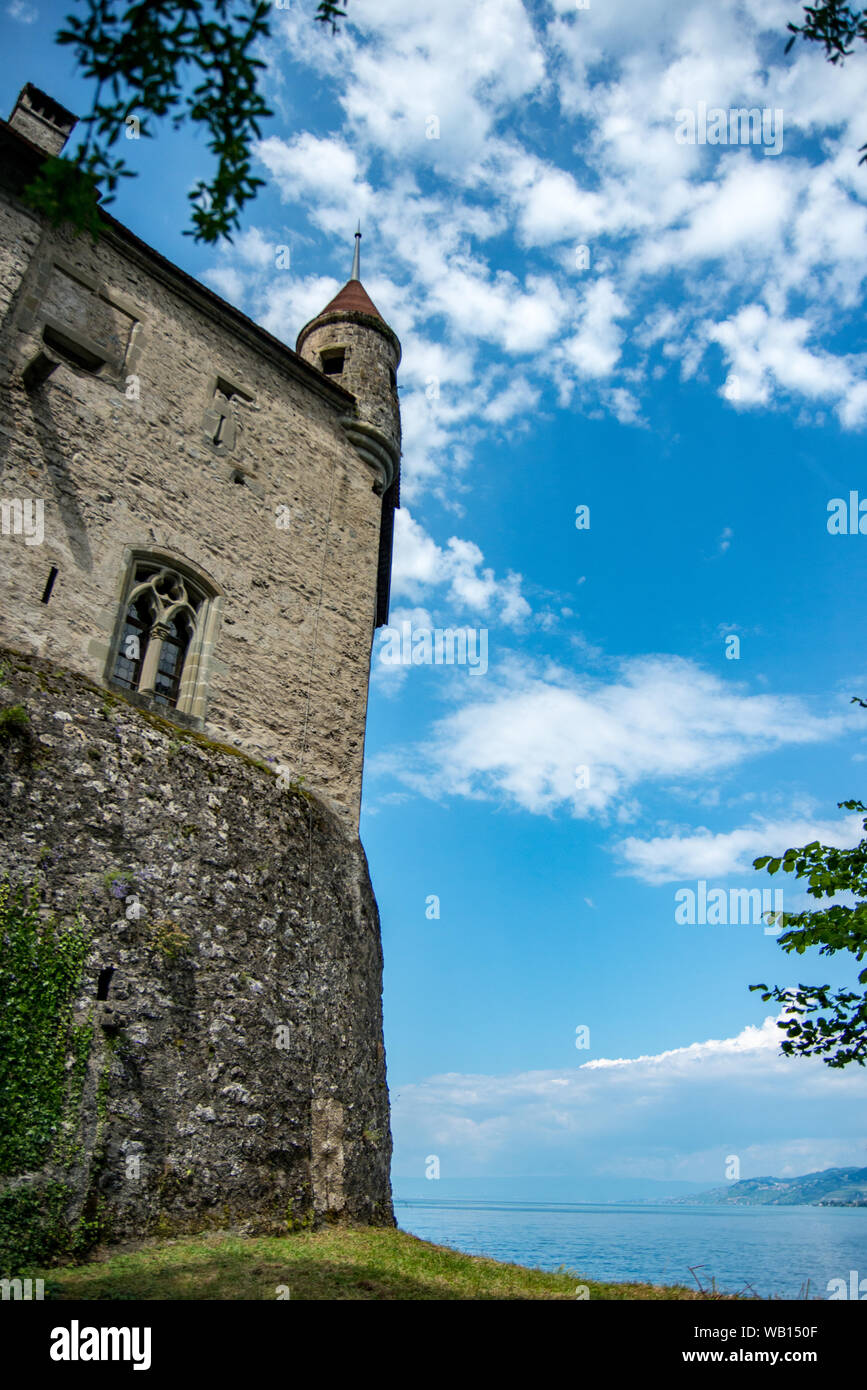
(350, 342)
(195, 549)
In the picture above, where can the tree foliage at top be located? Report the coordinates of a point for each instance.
(833, 24)
(836, 27)
(190, 60)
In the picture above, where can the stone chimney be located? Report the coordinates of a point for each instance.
(42, 120)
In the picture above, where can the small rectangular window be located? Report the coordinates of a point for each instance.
(332, 361)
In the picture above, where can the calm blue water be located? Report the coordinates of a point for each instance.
(775, 1249)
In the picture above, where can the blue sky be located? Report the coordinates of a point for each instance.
(700, 386)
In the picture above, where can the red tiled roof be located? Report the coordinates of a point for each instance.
(353, 298)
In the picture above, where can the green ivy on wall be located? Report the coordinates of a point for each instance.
(40, 969)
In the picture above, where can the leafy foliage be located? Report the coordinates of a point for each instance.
(40, 967)
(329, 13)
(35, 1225)
(836, 26)
(145, 59)
(819, 1022)
(833, 24)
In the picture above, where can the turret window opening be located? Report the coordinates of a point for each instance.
(333, 360)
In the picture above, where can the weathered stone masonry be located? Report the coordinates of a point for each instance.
(248, 1073)
(232, 502)
(168, 422)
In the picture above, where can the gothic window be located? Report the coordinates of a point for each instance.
(164, 636)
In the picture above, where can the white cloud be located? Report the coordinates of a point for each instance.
(650, 1111)
(461, 64)
(765, 353)
(704, 854)
(470, 238)
(625, 406)
(228, 282)
(322, 169)
(290, 300)
(763, 1040)
(421, 565)
(551, 205)
(518, 398)
(595, 348)
(663, 717)
(496, 308)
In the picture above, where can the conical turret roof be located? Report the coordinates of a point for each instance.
(352, 300)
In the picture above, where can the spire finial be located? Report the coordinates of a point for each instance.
(356, 259)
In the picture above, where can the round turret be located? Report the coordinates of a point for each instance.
(351, 342)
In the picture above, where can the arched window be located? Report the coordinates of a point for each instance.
(133, 642)
(165, 636)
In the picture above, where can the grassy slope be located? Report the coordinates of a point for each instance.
(334, 1263)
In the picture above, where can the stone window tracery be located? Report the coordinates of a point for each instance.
(164, 637)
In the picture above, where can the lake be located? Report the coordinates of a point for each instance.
(774, 1249)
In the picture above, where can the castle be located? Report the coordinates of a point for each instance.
(195, 553)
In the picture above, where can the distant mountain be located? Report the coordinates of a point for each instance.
(833, 1187)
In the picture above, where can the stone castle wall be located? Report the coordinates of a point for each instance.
(236, 1073)
(125, 460)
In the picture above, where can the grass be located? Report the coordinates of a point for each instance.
(329, 1264)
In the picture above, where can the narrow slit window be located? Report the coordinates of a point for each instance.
(103, 983)
(49, 584)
